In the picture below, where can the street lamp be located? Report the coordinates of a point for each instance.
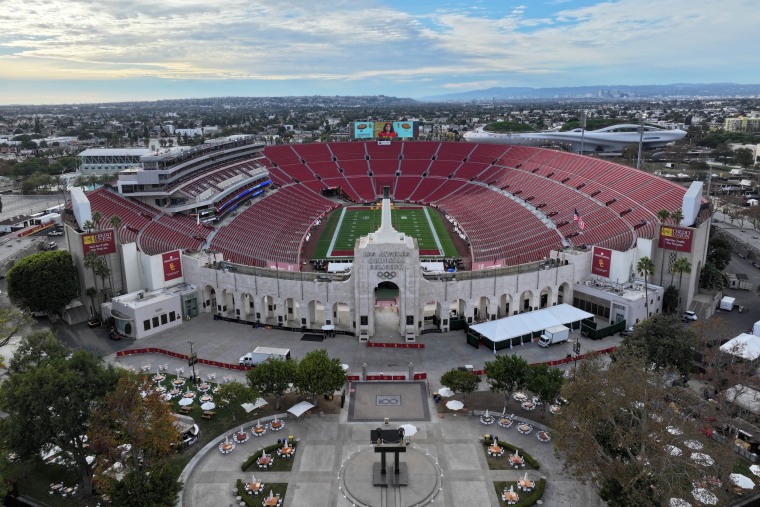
(192, 360)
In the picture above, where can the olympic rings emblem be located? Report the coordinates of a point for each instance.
(387, 275)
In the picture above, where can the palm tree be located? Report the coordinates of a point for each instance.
(91, 262)
(680, 266)
(677, 216)
(115, 222)
(662, 216)
(88, 225)
(645, 267)
(102, 270)
(96, 218)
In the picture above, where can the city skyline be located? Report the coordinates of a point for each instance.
(67, 52)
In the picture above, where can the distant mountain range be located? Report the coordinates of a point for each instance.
(602, 92)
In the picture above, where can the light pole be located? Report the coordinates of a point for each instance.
(582, 124)
(192, 360)
(641, 142)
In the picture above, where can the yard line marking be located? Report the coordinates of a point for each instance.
(432, 229)
(335, 233)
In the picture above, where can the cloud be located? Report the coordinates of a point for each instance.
(359, 48)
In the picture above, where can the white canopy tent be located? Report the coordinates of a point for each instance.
(339, 267)
(523, 324)
(249, 407)
(746, 346)
(299, 408)
(433, 266)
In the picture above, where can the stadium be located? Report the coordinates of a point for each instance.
(293, 235)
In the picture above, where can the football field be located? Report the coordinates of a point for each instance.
(348, 224)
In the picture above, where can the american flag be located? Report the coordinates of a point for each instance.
(577, 218)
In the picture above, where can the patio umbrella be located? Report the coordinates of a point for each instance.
(445, 392)
(755, 469)
(702, 458)
(455, 405)
(409, 429)
(185, 402)
(209, 405)
(742, 481)
(673, 450)
(705, 496)
(344, 366)
(693, 444)
(679, 502)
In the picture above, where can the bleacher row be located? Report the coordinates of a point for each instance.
(154, 232)
(616, 203)
(468, 181)
(213, 178)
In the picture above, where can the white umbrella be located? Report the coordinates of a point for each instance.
(345, 367)
(271, 494)
(253, 478)
(209, 405)
(694, 445)
(299, 408)
(755, 469)
(185, 402)
(409, 429)
(679, 502)
(455, 405)
(673, 450)
(705, 496)
(445, 392)
(702, 458)
(487, 414)
(742, 481)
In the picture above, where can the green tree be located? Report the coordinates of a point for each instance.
(235, 394)
(48, 397)
(11, 320)
(711, 277)
(719, 252)
(670, 300)
(680, 266)
(645, 267)
(102, 270)
(545, 382)
(317, 373)
(90, 261)
(676, 216)
(158, 487)
(615, 433)
(273, 377)
(123, 416)
(460, 381)
(96, 218)
(43, 282)
(507, 374)
(744, 157)
(663, 343)
(88, 225)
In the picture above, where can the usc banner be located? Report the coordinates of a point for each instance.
(675, 238)
(601, 261)
(101, 242)
(172, 265)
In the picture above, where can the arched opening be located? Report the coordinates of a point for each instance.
(226, 306)
(293, 313)
(526, 301)
(505, 306)
(209, 299)
(545, 299)
(316, 314)
(341, 314)
(247, 310)
(481, 309)
(268, 308)
(431, 316)
(458, 314)
(563, 293)
(386, 309)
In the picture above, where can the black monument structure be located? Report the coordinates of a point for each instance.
(387, 441)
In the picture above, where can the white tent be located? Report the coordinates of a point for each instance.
(248, 407)
(528, 323)
(746, 346)
(299, 408)
(744, 397)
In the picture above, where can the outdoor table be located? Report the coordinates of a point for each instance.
(275, 500)
(495, 450)
(510, 497)
(518, 396)
(486, 420)
(254, 487)
(277, 425)
(206, 398)
(56, 487)
(286, 451)
(226, 447)
(526, 486)
(528, 405)
(505, 422)
(160, 389)
(242, 437)
(259, 430)
(159, 378)
(204, 387)
(516, 461)
(543, 436)
(525, 429)
(174, 392)
(178, 382)
(189, 395)
(264, 461)
(68, 490)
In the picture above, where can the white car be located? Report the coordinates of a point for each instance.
(689, 315)
(55, 233)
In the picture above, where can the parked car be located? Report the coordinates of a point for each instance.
(626, 332)
(55, 233)
(689, 315)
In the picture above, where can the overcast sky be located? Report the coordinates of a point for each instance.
(56, 51)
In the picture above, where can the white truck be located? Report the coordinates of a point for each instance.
(554, 334)
(261, 354)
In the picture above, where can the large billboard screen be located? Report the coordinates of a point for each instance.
(172, 265)
(384, 130)
(364, 130)
(601, 261)
(675, 238)
(101, 242)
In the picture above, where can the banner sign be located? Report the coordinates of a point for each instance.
(101, 242)
(172, 265)
(601, 261)
(676, 238)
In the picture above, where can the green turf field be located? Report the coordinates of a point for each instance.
(347, 224)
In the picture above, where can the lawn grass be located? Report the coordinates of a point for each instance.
(360, 221)
(276, 488)
(502, 463)
(525, 499)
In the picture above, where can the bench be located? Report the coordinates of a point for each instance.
(185, 410)
(207, 414)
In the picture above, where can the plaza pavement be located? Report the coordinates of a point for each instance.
(326, 441)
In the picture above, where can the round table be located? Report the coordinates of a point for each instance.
(189, 395)
(160, 389)
(259, 430)
(264, 461)
(174, 392)
(277, 425)
(505, 422)
(495, 450)
(242, 437)
(178, 382)
(543, 436)
(204, 387)
(486, 420)
(206, 398)
(159, 378)
(285, 451)
(226, 447)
